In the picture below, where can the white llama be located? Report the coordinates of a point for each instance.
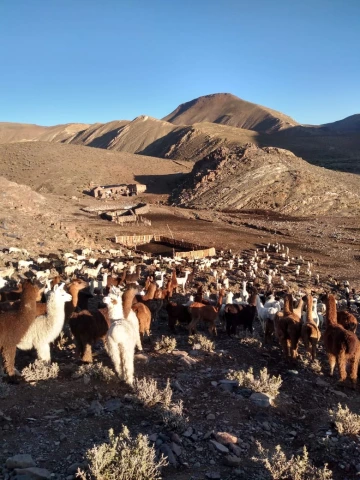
(46, 328)
(122, 337)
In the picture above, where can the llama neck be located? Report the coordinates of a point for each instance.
(74, 292)
(27, 308)
(331, 314)
(259, 305)
(116, 311)
(55, 310)
(288, 304)
(309, 311)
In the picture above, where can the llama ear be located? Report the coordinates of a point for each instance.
(56, 287)
(62, 285)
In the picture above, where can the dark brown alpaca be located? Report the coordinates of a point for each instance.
(14, 325)
(342, 346)
(288, 328)
(310, 333)
(347, 320)
(177, 313)
(87, 328)
(90, 327)
(74, 288)
(205, 313)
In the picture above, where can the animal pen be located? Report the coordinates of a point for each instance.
(160, 244)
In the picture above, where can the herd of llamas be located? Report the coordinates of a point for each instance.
(115, 296)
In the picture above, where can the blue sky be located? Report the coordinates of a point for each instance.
(95, 61)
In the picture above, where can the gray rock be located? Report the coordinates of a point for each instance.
(153, 437)
(176, 386)
(225, 438)
(20, 461)
(339, 394)
(235, 449)
(213, 475)
(175, 448)
(164, 437)
(214, 384)
(261, 399)
(95, 408)
(75, 466)
(207, 434)
(113, 405)
(180, 353)
(322, 383)
(141, 358)
(174, 437)
(226, 381)
(166, 450)
(34, 472)
(227, 387)
(188, 432)
(219, 447)
(232, 461)
(210, 416)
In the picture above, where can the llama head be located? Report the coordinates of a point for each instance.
(114, 304)
(59, 293)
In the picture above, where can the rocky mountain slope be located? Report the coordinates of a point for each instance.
(228, 109)
(267, 178)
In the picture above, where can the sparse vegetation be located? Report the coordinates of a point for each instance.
(202, 342)
(279, 467)
(166, 344)
(148, 392)
(95, 370)
(173, 417)
(123, 458)
(40, 370)
(264, 383)
(346, 422)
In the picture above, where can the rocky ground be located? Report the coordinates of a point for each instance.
(57, 420)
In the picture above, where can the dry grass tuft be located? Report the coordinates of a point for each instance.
(123, 458)
(265, 383)
(40, 370)
(166, 344)
(202, 342)
(148, 392)
(95, 370)
(346, 422)
(295, 468)
(173, 417)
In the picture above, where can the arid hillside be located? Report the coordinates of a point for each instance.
(268, 179)
(230, 110)
(69, 169)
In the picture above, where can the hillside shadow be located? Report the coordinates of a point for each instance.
(160, 184)
(161, 146)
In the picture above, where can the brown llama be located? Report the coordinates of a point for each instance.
(73, 288)
(15, 324)
(144, 316)
(177, 313)
(288, 328)
(205, 313)
(347, 320)
(310, 333)
(342, 346)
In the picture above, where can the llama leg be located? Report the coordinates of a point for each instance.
(313, 348)
(354, 369)
(87, 353)
(43, 352)
(113, 351)
(138, 341)
(128, 364)
(8, 355)
(341, 359)
(332, 363)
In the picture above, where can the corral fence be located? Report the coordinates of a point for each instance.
(189, 250)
